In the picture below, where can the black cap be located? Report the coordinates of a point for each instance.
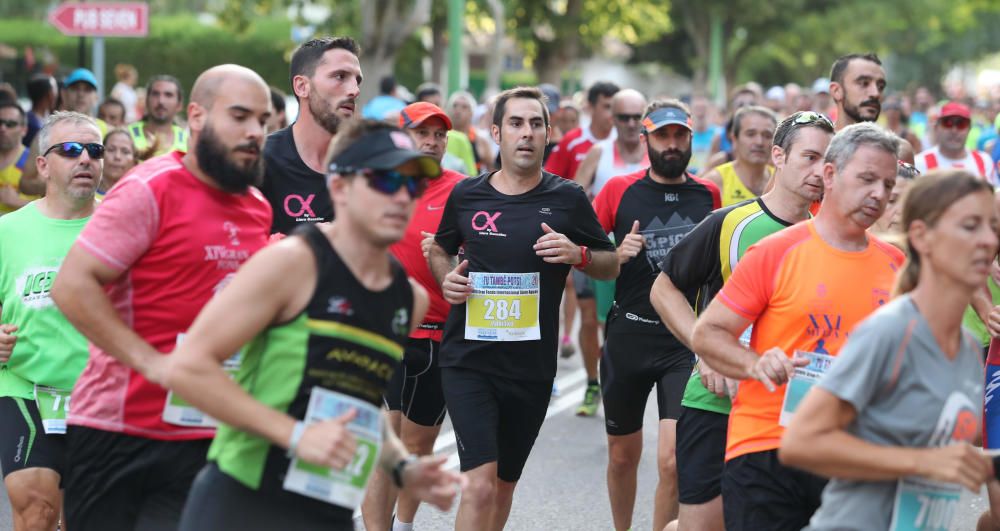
(383, 149)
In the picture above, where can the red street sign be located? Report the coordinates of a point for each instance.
(126, 19)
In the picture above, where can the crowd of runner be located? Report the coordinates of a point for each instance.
(229, 322)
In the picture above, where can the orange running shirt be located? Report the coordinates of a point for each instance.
(802, 294)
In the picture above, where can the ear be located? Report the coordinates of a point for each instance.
(828, 173)
(42, 165)
(777, 157)
(197, 116)
(300, 86)
(836, 91)
(338, 188)
(495, 132)
(919, 234)
(548, 133)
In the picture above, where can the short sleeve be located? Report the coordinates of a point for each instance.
(558, 162)
(694, 260)
(586, 229)
(606, 205)
(865, 364)
(749, 289)
(448, 234)
(124, 226)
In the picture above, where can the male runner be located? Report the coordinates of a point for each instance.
(857, 84)
(803, 289)
(413, 396)
(302, 427)
(326, 79)
(625, 153)
(43, 91)
(13, 156)
(747, 175)
(700, 264)
(521, 229)
(566, 157)
(648, 211)
(167, 237)
(951, 130)
(164, 101)
(48, 353)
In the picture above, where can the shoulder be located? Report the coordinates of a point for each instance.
(893, 321)
(888, 249)
(620, 182)
(554, 183)
(782, 242)
(704, 182)
(157, 171)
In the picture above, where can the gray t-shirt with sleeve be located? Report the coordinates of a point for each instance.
(906, 393)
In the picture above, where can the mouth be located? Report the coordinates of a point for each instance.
(347, 107)
(83, 176)
(871, 211)
(528, 150)
(252, 151)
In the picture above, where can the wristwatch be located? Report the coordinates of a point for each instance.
(586, 256)
(397, 471)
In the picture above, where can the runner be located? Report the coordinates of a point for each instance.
(622, 154)
(747, 175)
(43, 91)
(498, 358)
(802, 289)
(326, 79)
(413, 396)
(165, 239)
(566, 157)
(857, 84)
(158, 128)
(895, 419)
(80, 94)
(648, 211)
(48, 354)
(302, 427)
(951, 130)
(700, 264)
(13, 157)
(119, 157)
(891, 219)
(703, 132)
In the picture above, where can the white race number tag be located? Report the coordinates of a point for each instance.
(503, 307)
(802, 381)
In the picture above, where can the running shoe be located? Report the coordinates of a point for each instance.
(591, 399)
(566, 348)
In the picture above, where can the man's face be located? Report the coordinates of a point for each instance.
(669, 150)
(230, 135)
(601, 113)
(76, 178)
(12, 129)
(699, 108)
(333, 88)
(461, 111)
(862, 189)
(381, 217)
(923, 99)
(434, 98)
(522, 134)
(951, 132)
(754, 143)
(113, 115)
(627, 113)
(80, 97)
(163, 102)
(567, 119)
(800, 169)
(743, 99)
(430, 137)
(862, 90)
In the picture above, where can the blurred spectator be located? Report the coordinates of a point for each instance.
(112, 112)
(43, 91)
(124, 90)
(385, 103)
(278, 119)
(431, 93)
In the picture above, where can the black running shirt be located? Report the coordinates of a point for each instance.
(666, 213)
(497, 233)
(297, 194)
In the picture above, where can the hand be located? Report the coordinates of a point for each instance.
(631, 244)
(993, 324)
(329, 443)
(774, 368)
(555, 248)
(716, 383)
(276, 237)
(428, 482)
(7, 341)
(956, 463)
(456, 288)
(425, 244)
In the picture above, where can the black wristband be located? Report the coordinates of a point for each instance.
(397, 471)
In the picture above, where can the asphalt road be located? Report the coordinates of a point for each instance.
(563, 486)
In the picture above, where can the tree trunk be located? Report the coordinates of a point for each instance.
(554, 57)
(494, 62)
(439, 46)
(385, 25)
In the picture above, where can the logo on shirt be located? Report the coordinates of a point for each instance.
(671, 197)
(34, 286)
(401, 322)
(226, 257)
(486, 223)
(338, 305)
(958, 421)
(545, 211)
(879, 297)
(824, 325)
(233, 231)
(661, 237)
(433, 208)
(300, 207)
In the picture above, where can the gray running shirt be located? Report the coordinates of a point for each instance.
(907, 393)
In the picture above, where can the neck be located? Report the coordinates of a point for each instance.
(58, 205)
(789, 207)
(942, 303)
(369, 263)
(190, 161)
(842, 120)
(754, 176)
(955, 154)
(107, 183)
(599, 133)
(656, 177)
(10, 153)
(511, 181)
(626, 147)
(840, 233)
(311, 141)
(460, 127)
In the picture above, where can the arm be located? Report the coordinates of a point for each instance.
(817, 441)
(10, 197)
(588, 168)
(672, 306)
(423, 477)
(455, 285)
(420, 304)
(556, 248)
(30, 183)
(715, 177)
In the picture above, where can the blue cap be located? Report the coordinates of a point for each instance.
(665, 116)
(81, 74)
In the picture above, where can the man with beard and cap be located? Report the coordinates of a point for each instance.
(648, 211)
(164, 100)
(326, 79)
(857, 83)
(746, 176)
(167, 237)
(951, 131)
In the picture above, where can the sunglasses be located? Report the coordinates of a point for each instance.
(811, 117)
(626, 118)
(389, 182)
(73, 150)
(10, 124)
(954, 122)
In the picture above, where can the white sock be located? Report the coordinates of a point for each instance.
(401, 526)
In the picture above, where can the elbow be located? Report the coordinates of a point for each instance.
(799, 449)
(699, 339)
(791, 453)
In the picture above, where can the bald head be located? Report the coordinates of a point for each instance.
(206, 87)
(627, 107)
(626, 99)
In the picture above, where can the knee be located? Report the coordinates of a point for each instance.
(36, 510)
(622, 458)
(588, 321)
(667, 463)
(480, 492)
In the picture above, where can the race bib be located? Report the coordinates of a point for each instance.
(924, 505)
(745, 336)
(345, 488)
(503, 307)
(802, 381)
(53, 406)
(178, 411)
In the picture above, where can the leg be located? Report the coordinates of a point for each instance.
(475, 511)
(701, 451)
(502, 503)
(35, 500)
(522, 411)
(566, 348)
(376, 509)
(589, 345)
(704, 516)
(419, 440)
(166, 479)
(624, 452)
(665, 508)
